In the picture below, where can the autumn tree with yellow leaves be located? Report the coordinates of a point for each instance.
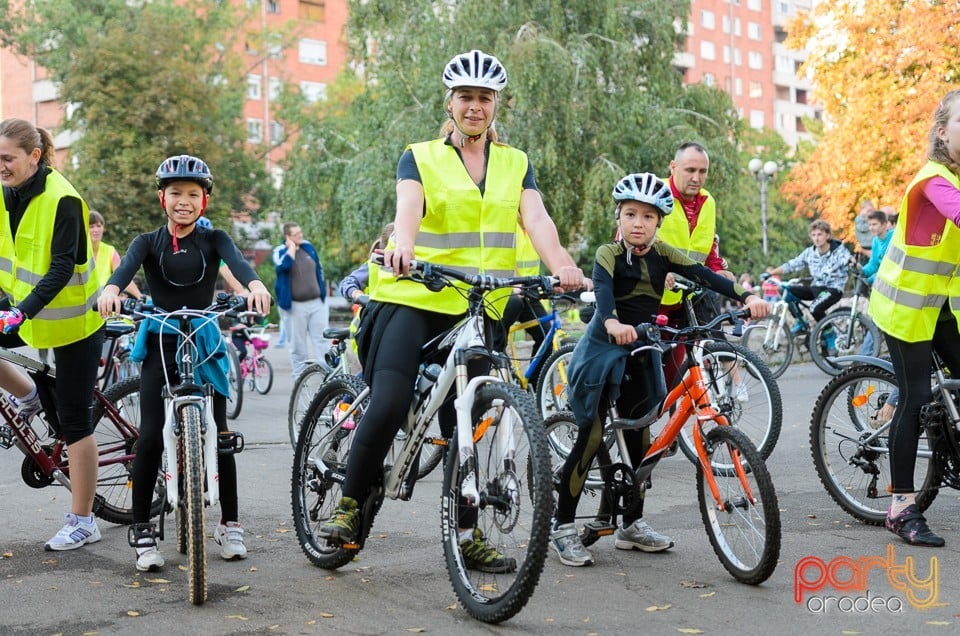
(880, 68)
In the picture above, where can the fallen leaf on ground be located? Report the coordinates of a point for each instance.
(657, 608)
(326, 615)
(689, 630)
(239, 617)
(157, 581)
(134, 584)
(133, 613)
(707, 594)
(938, 623)
(692, 584)
(242, 588)
(416, 630)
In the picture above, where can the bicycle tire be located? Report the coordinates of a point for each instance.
(304, 389)
(552, 389)
(515, 523)
(235, 380)
(262, 375)
(840, 321)
(113, 501)
(857, 478)
(761, 416)
(561, 430)
(776, 351)
(745, 534)
(194, 476)
(314, 496)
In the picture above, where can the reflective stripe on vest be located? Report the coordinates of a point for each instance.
(914, 282)
(461, 228)
(70, 316)
(675, 231)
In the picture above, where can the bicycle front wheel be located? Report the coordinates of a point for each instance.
(743, 390)
(304, 388)
(495, 551)
(235, 380)
(552, 391)
(262, 375)
(770, 340)
(116, 429)
(315, 492)
(742, 518)
(193, 475)
(849, 437)
(847, 339)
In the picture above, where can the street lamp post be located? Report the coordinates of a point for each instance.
(763, 172)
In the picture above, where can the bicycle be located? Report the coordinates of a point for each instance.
(235, 382)
(116, 418)
(190, 451)
(255, 370)
(849, 437)
(115, 364)
(496, 461)
(737, 498)
(850, 327)
(314, 375)
(772, 338)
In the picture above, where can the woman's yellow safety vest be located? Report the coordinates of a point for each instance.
(675, 231)
(103, 263)
(528, 260)
(71, 315)
(461, 228)
(914, 281)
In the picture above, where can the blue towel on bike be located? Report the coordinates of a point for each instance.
(596, 367)
(210, 347)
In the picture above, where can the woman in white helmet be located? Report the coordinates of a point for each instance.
(455, 196)
(628, 280)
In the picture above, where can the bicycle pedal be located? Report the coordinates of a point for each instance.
(350, 546)
(6, 437)
(229, 443)
(593, 530)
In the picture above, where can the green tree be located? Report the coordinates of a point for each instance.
(592, 95)
(142, 82)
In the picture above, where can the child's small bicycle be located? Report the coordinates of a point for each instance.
(255, 370)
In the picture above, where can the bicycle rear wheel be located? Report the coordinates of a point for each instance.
(508, 520)
(552, 391)
(744, 525)
(193, 475)
(315, 492)
(262, 375)
(770, 340)
(302, 395)
(847, 340)
(744, 391)
(849, 444)
(235, 380)
(116, 432)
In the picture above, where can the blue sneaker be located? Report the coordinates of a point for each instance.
(798, 327)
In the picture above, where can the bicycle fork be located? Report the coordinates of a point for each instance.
(171, 431)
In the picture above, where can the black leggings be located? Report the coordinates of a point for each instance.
(150, 445)
(823, 299)
(912, 364)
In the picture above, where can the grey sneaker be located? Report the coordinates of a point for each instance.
(640, 536)
(230, 539)
(741, 393)
(566, 543)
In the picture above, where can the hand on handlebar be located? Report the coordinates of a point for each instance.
(572, 278)
(398, 259)
(620, 333)
(758, 307)
(109, 302)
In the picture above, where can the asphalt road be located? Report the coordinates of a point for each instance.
(398, 584)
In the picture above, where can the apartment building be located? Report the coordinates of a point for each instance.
(320, 52)
(737, 45)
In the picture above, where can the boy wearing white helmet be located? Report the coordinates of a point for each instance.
(628, 280)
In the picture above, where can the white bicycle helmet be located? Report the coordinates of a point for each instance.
(475, 69)
(644, 187)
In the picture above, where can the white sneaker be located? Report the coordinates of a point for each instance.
(230, 538)
(26, 409)
(741, 393)
(149, 559)
(566, 543)
(74, 534)
(640, 536)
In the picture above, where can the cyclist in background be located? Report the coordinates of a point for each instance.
(47, 268)
(828, 262)
(916, 303)
(180, 262)
(455, 195)
(629, 277)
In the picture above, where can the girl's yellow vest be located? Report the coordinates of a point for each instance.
(461, 228)
(675, 231)
(103, 263)
(70, 316)
(914, 282)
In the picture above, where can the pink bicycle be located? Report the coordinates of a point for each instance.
(251, 342)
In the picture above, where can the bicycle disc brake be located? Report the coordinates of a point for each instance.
(503, 495)
(622, 484)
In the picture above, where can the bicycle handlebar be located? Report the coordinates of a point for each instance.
(651, 333)
(436, 277)
(226, 304)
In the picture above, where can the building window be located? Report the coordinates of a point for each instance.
(801, 96)
(277, 133)
(725, 23)
(800, 127)
(275, 84)
(313, 52)
(755, 60)
(736, 27)
(754, 5)
(708, 51)
(708, 79)
(253, 87)
(312, 10)
(756, 119)
(273, 6)
(255, 131)
(753, 31)
(726, 54)
(756, 90)
(314, 91)
(738, 87)
(737, 57)
(707, 21)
